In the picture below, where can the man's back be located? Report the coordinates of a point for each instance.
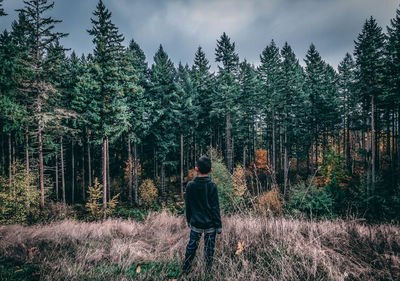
(202, 204)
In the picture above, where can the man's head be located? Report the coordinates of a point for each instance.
(203, 165)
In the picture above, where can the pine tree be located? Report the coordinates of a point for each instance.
(346, 82)
(203, 82)
(248, 102)
(2, 13)
(40, 35)
(163, 96)
(316, 87)
(132, 75)
(392, 77)
(292, 105)
(369, 52)
(186, 111)
(111, 109)
(271, 77)
(227, 92)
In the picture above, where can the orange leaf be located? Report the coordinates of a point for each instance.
(240, 248)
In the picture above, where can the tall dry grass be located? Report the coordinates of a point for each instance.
(273, 249)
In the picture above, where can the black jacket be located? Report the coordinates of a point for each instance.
(202, 204)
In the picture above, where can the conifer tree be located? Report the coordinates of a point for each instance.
(111, 109)
(316, 90)
(2, 13)
(133, 71)
(346, 72)
(203, 82)
(271, 77)
(248, 109)
(292, 105)
(369, 54)
(392, 77)
(225, 102)
(39, 30)
(162, 94)
(186, 110)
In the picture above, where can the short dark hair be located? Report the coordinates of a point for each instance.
(204, 164)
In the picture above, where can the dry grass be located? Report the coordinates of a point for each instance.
(273, 249)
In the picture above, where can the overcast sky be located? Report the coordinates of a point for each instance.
(182, 25)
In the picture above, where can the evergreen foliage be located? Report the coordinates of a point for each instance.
(280, 121)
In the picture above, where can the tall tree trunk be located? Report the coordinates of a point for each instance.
(3, 156)
(273, 147)
(130, 170)
(373, 139)
(27, 153)
(286, 168)
(104, 178)
(62, 170)
(398, 143)
(13, 156)
(244, 158)
(163, 181)
(312, 159)
(10, 178)
(155, 163)
(108, 173)
(316, 152)
(182, 166)
(83, 172)
(228, 142)
(233, 152)
(72, 173)
(89, 161)
(57, 176)
(41, 175)
(281, 156)
(136, 176)
(348, 155)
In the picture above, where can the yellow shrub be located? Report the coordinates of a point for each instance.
(239, 182)
(148, 192)
(271, 200)
(95, 201)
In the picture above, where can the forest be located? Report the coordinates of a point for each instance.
(105, 135)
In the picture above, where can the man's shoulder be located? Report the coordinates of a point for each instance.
(213, 184)
(189, 184)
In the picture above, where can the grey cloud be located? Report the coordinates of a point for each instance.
(182, 25)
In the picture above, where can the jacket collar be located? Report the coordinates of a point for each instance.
(202, 179)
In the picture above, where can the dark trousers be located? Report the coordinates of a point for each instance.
(209, 244)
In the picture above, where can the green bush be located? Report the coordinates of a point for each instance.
(310, 200)
(20, 201)
(130, 213)
(377, 201)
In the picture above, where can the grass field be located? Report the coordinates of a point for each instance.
(250, 248)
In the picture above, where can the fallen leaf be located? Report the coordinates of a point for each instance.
(33, 251)
(19, 270)
(240, 248)
(171, 240)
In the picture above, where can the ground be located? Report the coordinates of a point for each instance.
(249, 248)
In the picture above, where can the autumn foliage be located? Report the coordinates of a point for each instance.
(148, 192)
(270, 201)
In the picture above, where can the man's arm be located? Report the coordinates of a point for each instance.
(215, 208)
(188, 211)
